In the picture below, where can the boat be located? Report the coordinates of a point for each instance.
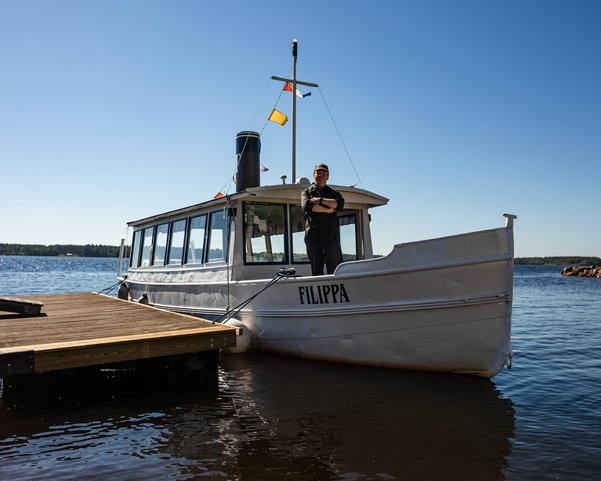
(441, 304)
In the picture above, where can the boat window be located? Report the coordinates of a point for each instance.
(146, 246)
(348, 236)
(297, 226)
(217, 237)
(135, 249)
(264, 233)
(160, 245)
(196, 239)
(176, 244)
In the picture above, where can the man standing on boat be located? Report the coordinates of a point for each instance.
(322, 234)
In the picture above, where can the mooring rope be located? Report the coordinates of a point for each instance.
(108, 289)
(281, 273)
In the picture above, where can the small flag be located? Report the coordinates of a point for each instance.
(278, 117)
(219, 195)
(264, 169)
(288, 88)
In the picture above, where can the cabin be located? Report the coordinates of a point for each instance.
(253, 232)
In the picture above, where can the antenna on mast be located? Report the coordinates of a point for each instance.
(294, 83)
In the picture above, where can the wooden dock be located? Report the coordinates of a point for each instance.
(87, 329)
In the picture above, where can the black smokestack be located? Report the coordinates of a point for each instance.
(248, 150)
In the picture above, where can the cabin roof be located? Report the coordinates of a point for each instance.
(274, 193)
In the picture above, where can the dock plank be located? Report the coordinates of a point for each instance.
(84, 329)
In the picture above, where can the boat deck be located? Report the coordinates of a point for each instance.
(86, 329)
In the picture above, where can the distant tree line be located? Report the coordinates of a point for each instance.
(94, 250)
(88, 250)
(560, 261)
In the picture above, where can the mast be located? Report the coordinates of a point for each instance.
(294, 56)
(294, 83)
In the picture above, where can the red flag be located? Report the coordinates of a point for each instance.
(288, 88)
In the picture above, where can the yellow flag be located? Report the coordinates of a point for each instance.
(279, 117)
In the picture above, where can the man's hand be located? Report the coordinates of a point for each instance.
(324, 206)
(322, 209)
(331, 203)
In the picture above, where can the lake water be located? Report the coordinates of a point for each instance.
(278, 418)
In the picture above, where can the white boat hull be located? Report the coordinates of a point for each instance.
(438, 305)
(466, 338)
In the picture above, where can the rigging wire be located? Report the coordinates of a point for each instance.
(275, 104)
(340, 136)
(227, 185)
(259, 106)
(254, 120)
(229, 247)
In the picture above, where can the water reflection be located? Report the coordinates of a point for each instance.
(352, 422)
(274, 417)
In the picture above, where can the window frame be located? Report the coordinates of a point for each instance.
(286, 227)
(290, 237)
(187, 261)
(354, 214)
(153, 262)
(143, 246)
(168, 260)
(226, 237)
(136, 245)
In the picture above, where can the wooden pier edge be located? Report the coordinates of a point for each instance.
(42, 356)
(65, 355)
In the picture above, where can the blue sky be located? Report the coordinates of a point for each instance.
(457, 111)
